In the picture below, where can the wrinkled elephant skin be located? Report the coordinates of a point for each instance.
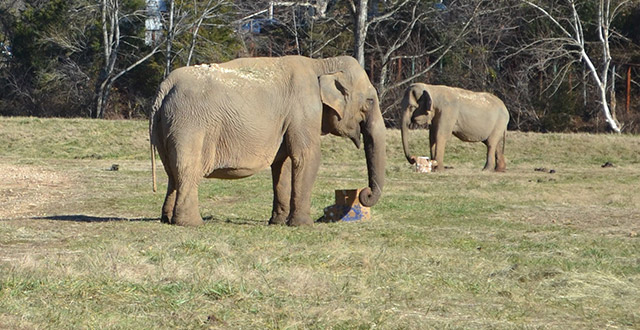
(470, 116)
(233, 119)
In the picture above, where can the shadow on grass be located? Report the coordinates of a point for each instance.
(89, 218)
(207, 219)
(235, 221)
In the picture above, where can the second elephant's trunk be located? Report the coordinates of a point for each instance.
(406, 120)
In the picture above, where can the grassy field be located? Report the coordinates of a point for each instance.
(82, 247)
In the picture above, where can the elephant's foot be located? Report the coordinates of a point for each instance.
(278, 219)
(190, 219)
(298, 221)
(190, 222)
(166, 219)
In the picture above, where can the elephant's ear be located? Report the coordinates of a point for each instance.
(425, 101)
(412, 98)
(333, 92)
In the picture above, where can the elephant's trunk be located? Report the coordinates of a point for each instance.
(406, 120)
(374, 132)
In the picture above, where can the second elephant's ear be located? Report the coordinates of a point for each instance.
(425, 101)
(333, 93)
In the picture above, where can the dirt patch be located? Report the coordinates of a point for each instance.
(27, 190)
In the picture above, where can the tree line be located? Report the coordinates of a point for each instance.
(562, 65)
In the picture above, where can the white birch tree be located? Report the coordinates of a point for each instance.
(572, 39)
(360, 31)
(360, 10)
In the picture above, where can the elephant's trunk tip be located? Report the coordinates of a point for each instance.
(368, 198)
(411, 159)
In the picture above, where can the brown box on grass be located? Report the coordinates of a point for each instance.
(424, 164)
(347, 207)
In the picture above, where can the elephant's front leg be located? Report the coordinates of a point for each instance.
(281, 175)
(432, 142)
(305, 161)
(441, 142)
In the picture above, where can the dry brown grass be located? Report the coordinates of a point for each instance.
(81, 246)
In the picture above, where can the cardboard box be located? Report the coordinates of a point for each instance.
(347, 207)
(424, 164)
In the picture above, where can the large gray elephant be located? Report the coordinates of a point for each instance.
(470, 116)
(233, 119)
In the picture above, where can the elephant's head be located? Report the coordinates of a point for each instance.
(351, 109)
(417, 108)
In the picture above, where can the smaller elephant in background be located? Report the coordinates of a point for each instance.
(470, 116)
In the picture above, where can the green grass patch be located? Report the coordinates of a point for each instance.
(81, 246)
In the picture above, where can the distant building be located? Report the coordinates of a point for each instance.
(153, 23)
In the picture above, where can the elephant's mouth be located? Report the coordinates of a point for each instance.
(355, 137)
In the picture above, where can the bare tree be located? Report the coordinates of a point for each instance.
(111, 18)
(418, 33)
(201, 15)
(571, 43)
(186, 19)
(364, 18)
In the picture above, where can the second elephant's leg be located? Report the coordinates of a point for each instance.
(432, 143)
(501, 164)
(281, 176)
(490, 164)
(441, 142)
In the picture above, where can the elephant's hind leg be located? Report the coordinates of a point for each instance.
(169, 201)
(188, 173)
(281, 174)
(501, 163)
(491, 155)
(186, 211)
(495, 158)
(170, 197)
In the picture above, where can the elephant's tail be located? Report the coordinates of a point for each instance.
(154, 121)
(153, 167)
(152, 145)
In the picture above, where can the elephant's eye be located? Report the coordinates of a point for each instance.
(369, 103)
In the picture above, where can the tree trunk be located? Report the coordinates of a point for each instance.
(167, 68)
(360, 32)
(111, 43)
(602, 91)
(628, 103)
(612, 96)
(102, 95)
